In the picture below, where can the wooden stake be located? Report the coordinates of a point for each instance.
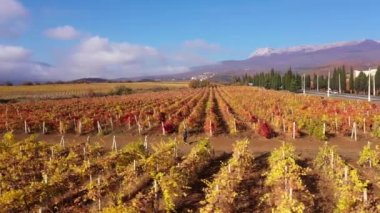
(80, 127)
(111, 122)
(210, 128)
(25, 127)
(43, 128)
(99, 128)
(294, 130)
(114, 145)
(62, 142)
(163, 128)
(146, 142)
(346, 173)
(364, 126)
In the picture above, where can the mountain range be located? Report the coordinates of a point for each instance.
(304, 59)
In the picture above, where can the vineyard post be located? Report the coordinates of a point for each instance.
(229, 168)
(346, 173)
(354, 132)
(332, 159)
(163, 128)
(155, 189)
(324, 129)
(52, 152)
(134, 165)
(45, 178)
(25, 127)
(149, 124)
(75, 124)
(88, 140)
(62, 142)
(210, 128)
(114, 145)
(294, 130)
(291, 192)
(139, 127)
(61, 127)
(99, 128)
(235, 129)
(99, 204)
(84, 152)
(175, 151)
(146, 142)
(43, 128)
(349, 121)
(129, 122)
(79, 127)
(364, 126)
(365, 195)
(111, 122)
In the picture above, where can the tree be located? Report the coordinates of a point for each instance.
(377, 78)
(308, 82)
(361, 83)
(314, 81)
(351, 81)
(288, 80)
(343, 78)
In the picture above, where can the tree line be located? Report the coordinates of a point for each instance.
(292, 81)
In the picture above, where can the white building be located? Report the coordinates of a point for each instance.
(372, 72)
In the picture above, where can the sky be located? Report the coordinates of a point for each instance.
(65, 40)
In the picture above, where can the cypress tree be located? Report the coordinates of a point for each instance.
(351, 81)
(377, 79)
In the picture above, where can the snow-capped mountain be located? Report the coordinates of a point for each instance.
(302, 58)
(303, 48)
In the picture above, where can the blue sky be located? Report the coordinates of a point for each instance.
(213, 30)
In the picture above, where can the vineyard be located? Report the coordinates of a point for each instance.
(247, 153)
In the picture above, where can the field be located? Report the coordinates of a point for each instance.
(249, 150)
(69, 90)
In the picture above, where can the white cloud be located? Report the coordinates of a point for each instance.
(200, 44)
(99, 57)
(62, 33)
(13, 53)
(12, 17)
(16, 64)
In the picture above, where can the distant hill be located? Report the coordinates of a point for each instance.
(308, 58)
(90, 80)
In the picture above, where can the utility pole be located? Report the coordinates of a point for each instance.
(340, 87)
(374, 85)
(328, 85)
(304, 84)
(317, 83)
(369, 87)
